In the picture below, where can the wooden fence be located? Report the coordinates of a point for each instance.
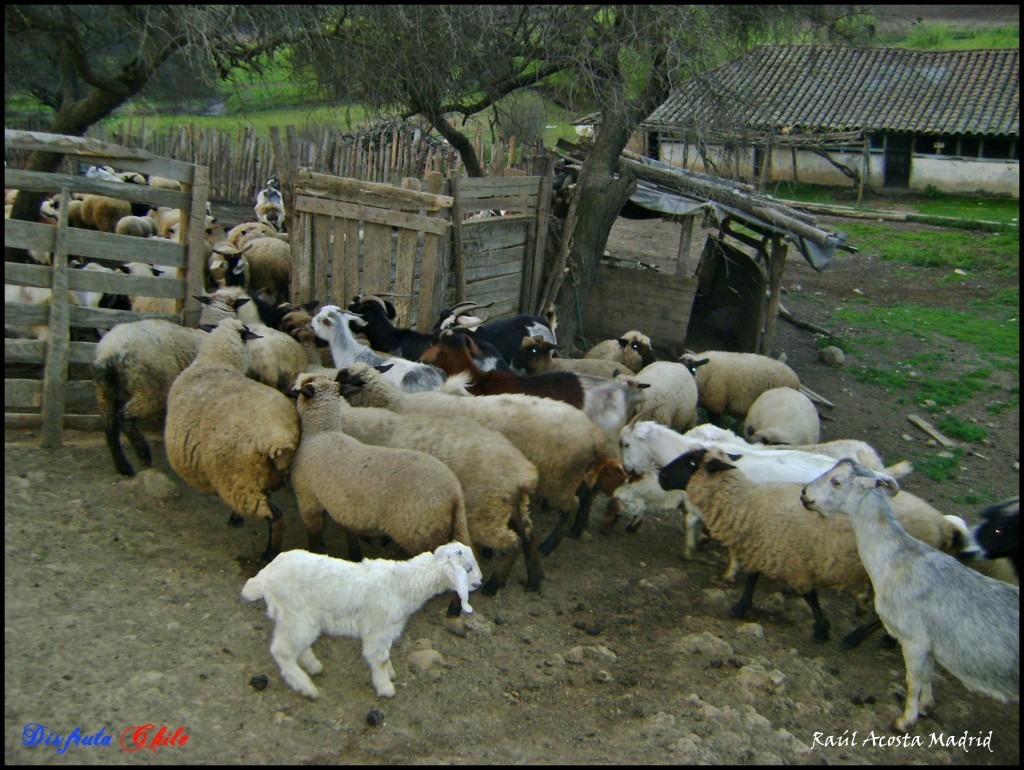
(241, 161)
(31, 402)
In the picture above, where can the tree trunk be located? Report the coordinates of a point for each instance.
(602, 195)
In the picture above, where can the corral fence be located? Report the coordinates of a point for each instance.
(40, 402)
(241, 161)
(423, 245)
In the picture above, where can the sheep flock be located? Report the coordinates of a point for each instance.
(267, 408)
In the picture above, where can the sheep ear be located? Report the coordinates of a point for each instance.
(622, 342)
(309, 307)
(715, 464)
(307, 391)
(207, 327)
(240, 301)
(733, 456)
(459, 579)
(383, 368)
(201, 300)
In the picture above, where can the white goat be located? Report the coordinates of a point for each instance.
(308, 594)
(332, 325)
(936, 607)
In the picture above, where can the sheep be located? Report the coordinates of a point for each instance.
(671, 395)
(275, 359)
(782, 416)
(938, 609)
(563, 444)
(729, 383)
(227, 434)
(308, 594)
(163, 183)
(410, 496)
(606, 402)
(333, 325)
(632, 349)
(41, 295)
(768, 530)
(241, 234)
(102, 213)
(270, 265)
(505, 334)
(133, 367)
(270, 205)
(497, 504)
(137, 226)
(536, 356)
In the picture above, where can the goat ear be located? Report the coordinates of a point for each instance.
(240, 301)
(459, 579)
(888, 483)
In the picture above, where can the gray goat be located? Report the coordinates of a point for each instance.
(936, 607)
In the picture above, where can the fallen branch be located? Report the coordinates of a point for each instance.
(787, 316)
(816, 397)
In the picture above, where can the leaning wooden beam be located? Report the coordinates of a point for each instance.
(785, 315)
(924, 425)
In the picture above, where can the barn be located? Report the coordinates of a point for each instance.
(884, 118)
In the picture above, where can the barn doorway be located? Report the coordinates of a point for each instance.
(897, 160)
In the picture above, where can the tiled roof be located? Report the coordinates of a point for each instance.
(825, 88)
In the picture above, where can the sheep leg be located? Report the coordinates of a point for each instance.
(691, 519)
(275, 528)
(454, 607)
(553, 539)
(534, 571)
(611, 516)
(860, 633)
(234, 520)
(377, 652)
(739, 609)
(729, 576)
(112, 430)
(821, 623)
(314, 521)
(291, 641)
(586, 496)
(310, 662)
(915, 658)
(139, 443)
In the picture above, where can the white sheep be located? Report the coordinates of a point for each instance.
(632, 349)
(309, 594)
(497, 503)
(937, 608)
(228, 434)
(768, 530)
(670, 397)
(133, 368)
(333, 325)
(782, 416)
(270, 265)
(729, 383)
(565, 446)
(138, 227)
(410, 496)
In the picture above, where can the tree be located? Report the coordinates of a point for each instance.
(82, 62)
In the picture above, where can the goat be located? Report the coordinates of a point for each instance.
(506, 334)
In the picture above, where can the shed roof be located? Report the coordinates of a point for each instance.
(808, 89)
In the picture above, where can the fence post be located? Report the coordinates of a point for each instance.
(56, 371)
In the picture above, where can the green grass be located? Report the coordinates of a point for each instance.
(943, 466)
(946, 37)
(955, 428)
(947, 247)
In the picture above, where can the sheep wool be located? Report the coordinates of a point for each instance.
(730, 382)
(231, 435)
(782, 416)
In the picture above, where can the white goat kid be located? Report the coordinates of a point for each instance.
(308, 594)
(935, 606)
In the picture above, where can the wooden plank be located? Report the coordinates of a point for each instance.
(431, 284)
(71, 421)
(23, 394)
(121, 283)
(365, 213)
(502, 202)
(348, 260)
(473, 188)
(24, 351)
(39, 181)
(55, 371)
(322, 227)
(102, 318)
(376, 258)
(369, 193)
(23, 314)
(534, 265)
(405, 266)
(29, 235)
(97, 152)
(195, 272)
(928, 428)
(458, 242)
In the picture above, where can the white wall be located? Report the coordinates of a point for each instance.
(952, 175)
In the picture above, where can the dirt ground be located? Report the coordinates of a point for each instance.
(123, 610)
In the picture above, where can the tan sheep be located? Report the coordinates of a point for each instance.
(497, 504)
(241, 234)
(536, 356)
(411, 497)
(782, 416)
(768, 530)
(231, 435)
(670, 397)
(270, 266)
(632, 349)
(729, 383)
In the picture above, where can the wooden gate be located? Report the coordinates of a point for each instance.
(34, 402)
(353, 237)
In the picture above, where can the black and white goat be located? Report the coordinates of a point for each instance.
(506, 334)
(270, 205)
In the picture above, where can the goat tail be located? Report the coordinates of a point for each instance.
(900, 469)
(457, 384)
(253, 589)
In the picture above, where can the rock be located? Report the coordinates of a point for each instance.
(422, 661)
(832, 356)
(657, 725)
(704, 643)
(156, 485)
(754, 677)
(602, 676)
(751, 629)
